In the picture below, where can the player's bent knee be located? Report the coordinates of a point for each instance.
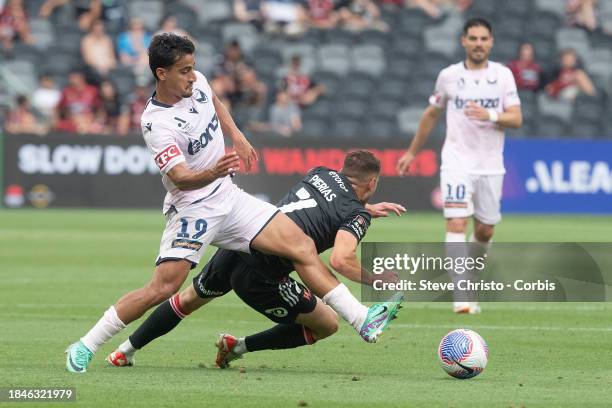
(484, 233)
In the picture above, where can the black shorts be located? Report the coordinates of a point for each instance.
(279, 299)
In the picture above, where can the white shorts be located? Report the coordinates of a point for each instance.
(465, 195)
(228, 219)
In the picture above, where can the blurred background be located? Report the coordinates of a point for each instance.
(306, 80)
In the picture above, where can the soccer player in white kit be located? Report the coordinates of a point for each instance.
(481, 99)
(184, 125)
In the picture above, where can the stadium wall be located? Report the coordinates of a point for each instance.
(548, 176)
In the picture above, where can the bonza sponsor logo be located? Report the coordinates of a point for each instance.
(577, 177)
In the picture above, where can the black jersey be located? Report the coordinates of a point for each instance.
(323, 203)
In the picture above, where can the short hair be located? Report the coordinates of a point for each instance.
(477, 22)
(167, 48)
(360, 164)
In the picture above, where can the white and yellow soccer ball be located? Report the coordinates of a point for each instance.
(463, 353)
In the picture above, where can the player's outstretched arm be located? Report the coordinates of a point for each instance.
(383, 209)
(245, 151)
(186, 179)
(428, 122)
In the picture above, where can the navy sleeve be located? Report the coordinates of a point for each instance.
(357, 224)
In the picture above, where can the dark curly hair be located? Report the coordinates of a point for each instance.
(167, 48)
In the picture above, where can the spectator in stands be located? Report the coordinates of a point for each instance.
(233, 59)
(285, 115)
(251, 94)
(136, 105)
(249, 11)
(87, 11)
(111, 111)
(14, 24)
(22, 120)
(360, 15)
(224, 87)
(78, 105)
(170, 25)
(98, 52)
(46, 98)
(299, 86)
(321, 14)
(132, 48)
(289, 16)
(582, 13)
(527, 72)
(570, 79)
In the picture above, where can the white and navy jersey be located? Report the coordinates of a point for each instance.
(188, 131)
(473, 146)
(323, 203)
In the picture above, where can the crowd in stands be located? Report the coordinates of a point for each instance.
(92, 75)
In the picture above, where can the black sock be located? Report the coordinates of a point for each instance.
(282, 336)
(161, 321)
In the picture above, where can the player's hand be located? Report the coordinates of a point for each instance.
(403, 164)
(388, 277)
(383, 209)
(245, 151)
(228, 164)
(476, 112)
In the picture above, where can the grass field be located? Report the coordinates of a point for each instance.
(60, 270)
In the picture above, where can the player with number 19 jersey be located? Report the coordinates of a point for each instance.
(188, 131)
(219, 213)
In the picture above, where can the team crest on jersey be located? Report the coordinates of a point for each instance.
(200, 96)
(193, 110)
(461, 83)
(182, 124)
(149, 126)
(492, 81)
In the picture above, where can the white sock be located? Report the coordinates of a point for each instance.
(103, 331)
(346, 305)
(478, 248)
(240, 347)
(455, 237)
(127, 348)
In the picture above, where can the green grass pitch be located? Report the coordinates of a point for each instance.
(59, 270)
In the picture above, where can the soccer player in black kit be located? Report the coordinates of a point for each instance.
(331, 208)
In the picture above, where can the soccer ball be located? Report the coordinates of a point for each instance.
(463, 353)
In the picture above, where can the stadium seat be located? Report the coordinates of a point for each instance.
(334, 58)
(549, 127)
(574, 38)
(441, 41)
(244, 33)
(22, 75)
(546, 50)
(323, 107)
(381, 129)
(355, 109)
(369, 59)
(483, 8)
(358, 85)
(554, 6)
(505, 48)
(560, 109)
(509, 28)
(150, 12)
(69, 41)
(374, 37)
(431, 64)
(515, 8)
(315, 128)
(412, 22)
(42, 32)
(331, 80)
(408, 119)
(407, 47)
(543, 24)
(346, 128)
(124, 80)
(392, 89)
(304, 50)
(25, 52)
(338, 36)
(589, 108)
(385, 109)
(400, 67)
(212, 10)
(583, 129)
